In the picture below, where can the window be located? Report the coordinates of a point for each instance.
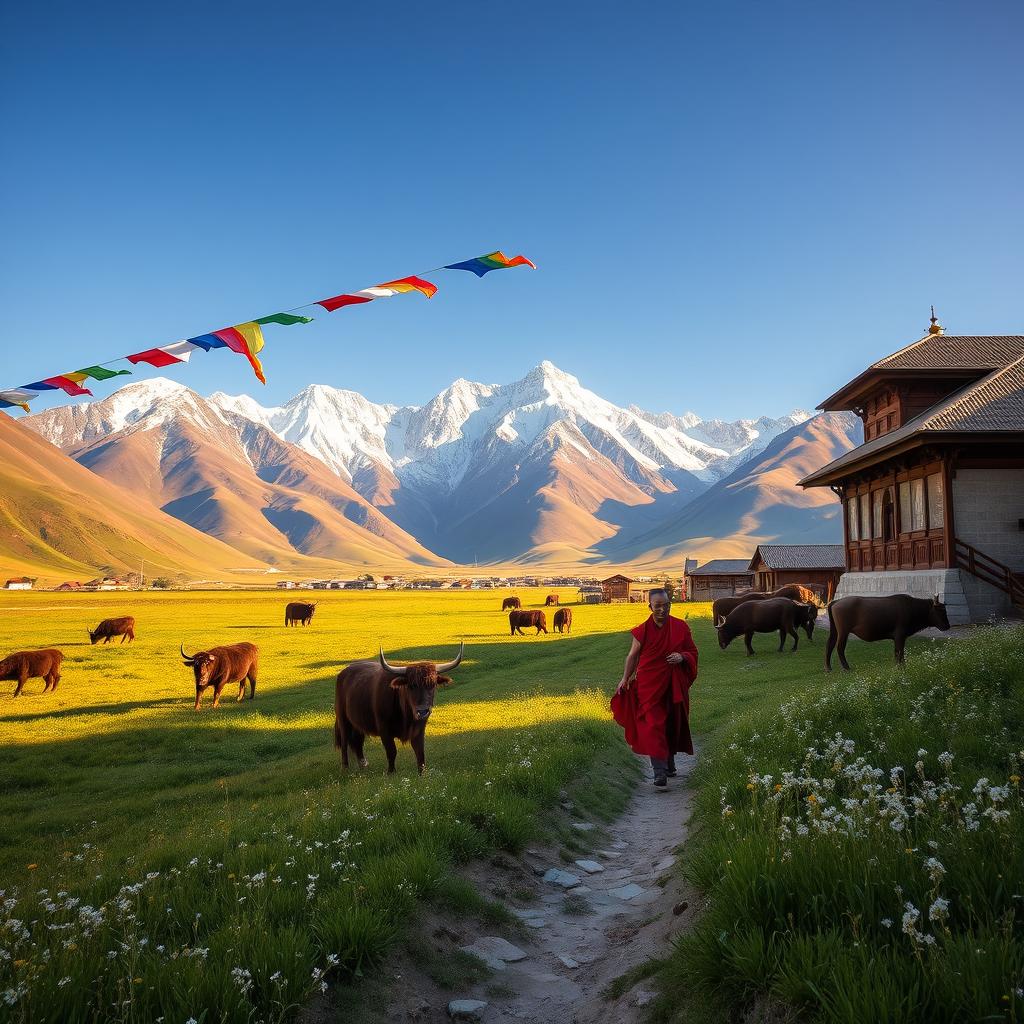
(917, 503)
(888, 515)
(936, 507)
(905, 526)
(865, 517)
(876, 514)
(851, 519)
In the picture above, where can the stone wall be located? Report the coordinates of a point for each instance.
(944, 583)
(987, 507)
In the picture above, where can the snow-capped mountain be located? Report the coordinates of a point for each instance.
(541, 468)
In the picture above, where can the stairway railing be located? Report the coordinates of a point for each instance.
(987, 569)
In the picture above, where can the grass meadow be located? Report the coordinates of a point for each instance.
(161, 863)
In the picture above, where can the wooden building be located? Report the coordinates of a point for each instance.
(933, 500)
(817, 566)
(721, 577)
(623, 588)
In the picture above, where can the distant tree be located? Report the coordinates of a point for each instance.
(161, 583)
(367, 577)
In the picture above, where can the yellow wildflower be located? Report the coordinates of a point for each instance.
(32, 867)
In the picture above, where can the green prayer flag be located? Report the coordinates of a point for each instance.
(101, 372)
(285, 319)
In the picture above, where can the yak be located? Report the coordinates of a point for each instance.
(563, 620)
(299, 611)
(393, 702)
(893, 617)
(724, 605)
(123, 627)
(766, 617)
(551, 599)
(796, 592)
(232, 663)
(511, 602)
(517, 620)
(25, 665)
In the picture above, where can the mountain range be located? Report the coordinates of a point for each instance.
(540, 471)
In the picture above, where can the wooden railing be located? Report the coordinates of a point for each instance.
(978, 564)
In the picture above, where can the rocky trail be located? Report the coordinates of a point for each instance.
(590, 922)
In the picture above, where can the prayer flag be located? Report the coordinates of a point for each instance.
(493, 261)
(284, 319)
(100, 372)
(60, 383)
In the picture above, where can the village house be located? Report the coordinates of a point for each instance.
(816, 566)
(19, 583)
(623, 588)
(721, 577)
(933, 500)
(69, 587)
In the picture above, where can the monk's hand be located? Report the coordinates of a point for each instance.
(623, 685)
(675, 658)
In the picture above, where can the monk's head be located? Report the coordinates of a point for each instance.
(660, 604)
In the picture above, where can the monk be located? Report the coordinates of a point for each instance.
(652, 700)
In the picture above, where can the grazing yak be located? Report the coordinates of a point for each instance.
(766, 617)
(123, 627)
(794, 591)
(517, 620)
(563, 620)
(373, 698)
(25, 665)
(511, 602)
(551, 599)
(232, 663)
(893, 617)
(299, 611)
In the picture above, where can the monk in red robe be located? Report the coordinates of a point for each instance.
(652, 700)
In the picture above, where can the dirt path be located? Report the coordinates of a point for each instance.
(591, 922)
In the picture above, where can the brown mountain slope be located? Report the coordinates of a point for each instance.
(234, 480)
(758, 503)
(59, 521)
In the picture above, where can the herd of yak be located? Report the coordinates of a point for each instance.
(393, 702)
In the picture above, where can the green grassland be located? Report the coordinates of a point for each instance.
(218, 864)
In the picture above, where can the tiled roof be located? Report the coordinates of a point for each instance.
(955, 352)
(993, 404)
(722, 567)
(801, 556)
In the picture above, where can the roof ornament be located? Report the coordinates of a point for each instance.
(936, 327)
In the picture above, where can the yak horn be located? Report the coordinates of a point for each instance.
(187, 657)
(398, 670)
(449, 665)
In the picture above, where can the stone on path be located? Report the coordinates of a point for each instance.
(493, 947)
(627, 892)
(590, 866)
(619, 844)
(563, 878)
(568, 961)
(663, 865)
(579, 890)
(583, 826)
(643, 997)
(466, 1009)
(610, 853)
(534, 922)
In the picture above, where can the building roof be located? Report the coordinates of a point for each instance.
(992, 405)
(944, 355)
(19, 579)
(722, 567)
(619, 576)
(800, 556)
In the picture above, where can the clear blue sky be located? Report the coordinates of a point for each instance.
(733, 206)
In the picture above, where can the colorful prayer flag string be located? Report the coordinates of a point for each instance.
(246, 338)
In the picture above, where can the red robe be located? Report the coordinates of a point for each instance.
(655, 709)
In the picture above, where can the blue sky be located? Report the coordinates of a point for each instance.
(732, 206)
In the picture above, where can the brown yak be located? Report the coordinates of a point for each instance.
(551, 599)
(517, 620)
(123, 627)
(232, 663)
(563, 620)
(721, 608)
(299, 611)
(796, 592)
(373, 698)
(511, 602)
(766, 617)
(893, 617)
(25, 665)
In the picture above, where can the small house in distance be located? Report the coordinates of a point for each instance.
(70, 586)
(721, 577)
(933, 500)
(19, 583)
(624, 588)
(818, 566)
